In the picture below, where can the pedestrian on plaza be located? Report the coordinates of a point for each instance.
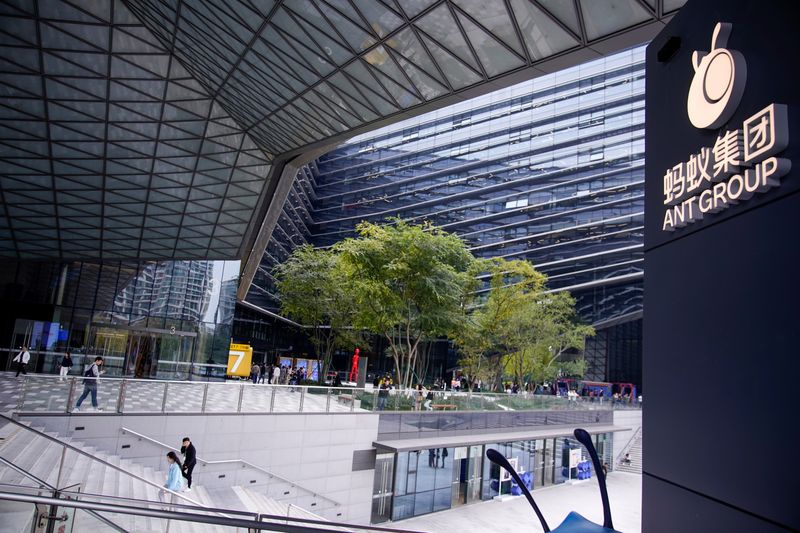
(383, 394)
(605, 469)
(418, 396)
(174, 476)
(445, 453)
(284, 374)
(255, 370)
(189, 461)
(66, 364)
(293, 379)
(429, 400)
(276, 375)
(431, 457)
(90, 383)
(22, 359)
(262, 372)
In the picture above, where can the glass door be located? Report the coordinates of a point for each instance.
(382, 488)
(142, 357)
(543, 463)
(110, 344)
(474, 470)
(460, 476)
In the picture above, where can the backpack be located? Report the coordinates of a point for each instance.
(89, 377)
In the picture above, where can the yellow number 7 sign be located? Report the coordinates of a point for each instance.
(240, 358)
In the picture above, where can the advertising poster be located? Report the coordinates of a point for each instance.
(574, 457)
(504, 475)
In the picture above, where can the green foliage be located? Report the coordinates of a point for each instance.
(486, 335)
(315, 292)
(409, 283)
(412, 284)
(518, 329)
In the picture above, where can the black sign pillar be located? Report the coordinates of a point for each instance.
(722, 263)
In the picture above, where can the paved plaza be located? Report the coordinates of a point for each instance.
(625, 494)
(49, 394)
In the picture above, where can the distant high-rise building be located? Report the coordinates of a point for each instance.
(550, 170)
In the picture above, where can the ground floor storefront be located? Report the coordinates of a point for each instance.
(415, 482)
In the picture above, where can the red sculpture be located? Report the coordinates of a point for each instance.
(354, 368)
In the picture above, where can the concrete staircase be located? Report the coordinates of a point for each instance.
(42, 457)
(635, 451)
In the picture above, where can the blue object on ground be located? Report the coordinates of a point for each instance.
(575, 523)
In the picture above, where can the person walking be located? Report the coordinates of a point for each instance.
(429, 400)
(262, 375)
(174, 476)
(22, 359)
(64, 367)
(189, 461)
(90, 384)
(418, 397)
(255, 370)
(276, 375)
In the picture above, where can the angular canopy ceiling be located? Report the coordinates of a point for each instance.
(146, 128)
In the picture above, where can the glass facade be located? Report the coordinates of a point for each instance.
(550, 170)
(435, 479)
(153, 319)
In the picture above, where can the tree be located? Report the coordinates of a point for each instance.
(543, 330)
(517, 328)
(409, 283)
(485, 337)
(314, 291)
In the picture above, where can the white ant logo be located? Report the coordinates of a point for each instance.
(718, 83)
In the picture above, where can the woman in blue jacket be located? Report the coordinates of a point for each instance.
(174, 476)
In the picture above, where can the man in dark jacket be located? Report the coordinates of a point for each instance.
(90, 384)
(190, 459)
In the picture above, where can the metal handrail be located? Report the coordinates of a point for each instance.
(230, 461)
(137, 502)
(92, 457)
(282, 523)
(44, 484)
(523, 401)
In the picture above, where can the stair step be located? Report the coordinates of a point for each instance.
(24, 453)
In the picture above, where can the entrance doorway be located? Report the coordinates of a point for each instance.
(467, 468)
(382, 488)
(544, 463)
(145, 353)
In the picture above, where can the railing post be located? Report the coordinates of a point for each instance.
(302, 397)
(70, 395)
(121, 397)
(241, 397)
(164, 400)
(61, 465)
(272, 400)
(21, 400)
(205, 398)
(328, 402)
(353, 401)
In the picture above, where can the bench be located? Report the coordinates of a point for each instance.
(443, 406)
(345, 398)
